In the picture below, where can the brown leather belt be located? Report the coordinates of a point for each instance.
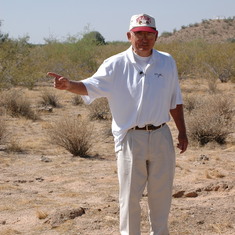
(148, 127)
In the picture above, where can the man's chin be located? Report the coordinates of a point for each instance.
(145, 48)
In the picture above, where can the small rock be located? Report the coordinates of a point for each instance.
(201, 222)
(61, 216)
(45, 159)
(39, 179)
(203, 158)
(178, 194)
(191, 194)
(3, 222)
(20, 181)
(34, 192)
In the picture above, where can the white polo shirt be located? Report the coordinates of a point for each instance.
(136, 97)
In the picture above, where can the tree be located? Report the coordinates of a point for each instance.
(94, 37)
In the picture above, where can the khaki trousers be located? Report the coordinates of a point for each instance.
(146, 158)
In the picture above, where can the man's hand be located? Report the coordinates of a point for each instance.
(63, 83)
(60, 82)
(183, 142)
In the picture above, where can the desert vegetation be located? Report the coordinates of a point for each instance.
(25, 65)
(57, 153)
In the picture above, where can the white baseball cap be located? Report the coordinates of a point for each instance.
(142, 22)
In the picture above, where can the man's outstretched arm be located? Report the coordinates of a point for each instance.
(63, 83)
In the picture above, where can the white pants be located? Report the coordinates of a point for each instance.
(147, 157)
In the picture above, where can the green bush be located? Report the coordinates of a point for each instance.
(94, 37)
(18, 64)
(166, 34)
(78, 58)
(197, 58)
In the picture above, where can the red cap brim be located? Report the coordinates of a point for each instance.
(145, 29)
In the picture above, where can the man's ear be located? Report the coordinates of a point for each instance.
(128, 35)
(156, 36)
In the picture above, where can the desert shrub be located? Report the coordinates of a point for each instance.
(3, 130)
(198, 57)
(232, 40)
(74, 60)
(186, 56)
(83, 55)
(17, 105)
(73, 134)
(94, 37)
(222, 66)
(210, 119)
(191, 102)
(49, 98)
(14, 146)
(99, 110)
(166, 34)
(77, 100)
(107, 132)
(18, 64)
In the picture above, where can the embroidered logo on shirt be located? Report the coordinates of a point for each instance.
(158, 75)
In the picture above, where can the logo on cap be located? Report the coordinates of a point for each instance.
(143, 20)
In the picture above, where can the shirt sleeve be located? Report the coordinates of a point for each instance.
(100, 84)
(176, 94)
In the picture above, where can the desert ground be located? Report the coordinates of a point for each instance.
(44, 190)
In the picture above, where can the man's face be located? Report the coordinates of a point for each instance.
(142, 42)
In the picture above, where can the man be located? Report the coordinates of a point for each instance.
(141, 85)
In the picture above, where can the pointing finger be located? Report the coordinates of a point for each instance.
(55, 75)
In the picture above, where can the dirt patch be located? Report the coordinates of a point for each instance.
(44, 190)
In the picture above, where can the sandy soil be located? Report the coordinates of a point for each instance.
(45, 190)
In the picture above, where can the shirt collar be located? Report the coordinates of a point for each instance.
(130, 55)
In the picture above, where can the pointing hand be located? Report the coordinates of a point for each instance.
(60, 82)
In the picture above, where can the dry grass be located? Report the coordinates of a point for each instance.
(77, 100)
(210, 118)
(73, 134)
(17, 105)
(9, 232)
(14, 146)
(41, 214)
(214, 173)
(99, 110)
(49, 98)
(3, 130)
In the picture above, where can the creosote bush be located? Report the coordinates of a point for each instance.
(73, 134)
(210, 118)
